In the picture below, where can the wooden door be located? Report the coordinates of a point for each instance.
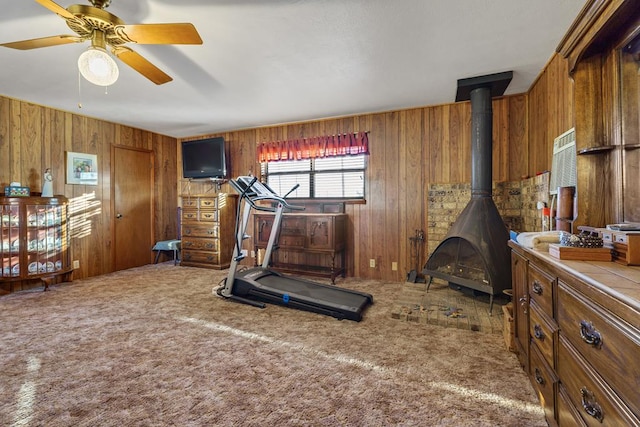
(132, 207)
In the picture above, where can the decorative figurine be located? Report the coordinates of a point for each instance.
(47, 186)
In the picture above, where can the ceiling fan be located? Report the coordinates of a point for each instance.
(105, 29)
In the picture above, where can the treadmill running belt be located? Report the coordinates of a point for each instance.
(269, 286)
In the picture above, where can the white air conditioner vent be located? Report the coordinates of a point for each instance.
(563, 162)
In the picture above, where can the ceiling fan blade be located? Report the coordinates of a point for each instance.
(141, 65)
(56, 8)
(43, 42)
(184, 33)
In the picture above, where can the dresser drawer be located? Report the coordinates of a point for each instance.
(610, 345)
(200, 230)
(208, 216)
(200, 202)
(200, 215)
(541, 287)
(200, 244)
(544, 381)
(208, 203)
(199, 257)
(597, 404)
(543, 332)
(568, 415)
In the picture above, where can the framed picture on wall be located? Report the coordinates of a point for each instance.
(82, 168)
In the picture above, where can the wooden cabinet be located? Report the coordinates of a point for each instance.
(583, 337)
(309, 243)
(208, 230)
(34, 242)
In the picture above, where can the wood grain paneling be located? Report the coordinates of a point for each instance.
(33, 138)
(410, 149)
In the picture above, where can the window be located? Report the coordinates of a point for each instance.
(328, 177)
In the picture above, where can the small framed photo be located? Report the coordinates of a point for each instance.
(82, 168)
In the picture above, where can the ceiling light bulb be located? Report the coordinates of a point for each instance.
(98, 67)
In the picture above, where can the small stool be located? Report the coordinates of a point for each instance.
(167, 245)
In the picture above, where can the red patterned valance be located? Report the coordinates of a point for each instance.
(316, 147)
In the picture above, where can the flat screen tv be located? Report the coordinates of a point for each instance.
(204, 158)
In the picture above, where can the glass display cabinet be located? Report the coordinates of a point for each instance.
(34, 242)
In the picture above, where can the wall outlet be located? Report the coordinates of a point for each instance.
(253, 254)
(372, 263)
(76, 264)
(394, 266)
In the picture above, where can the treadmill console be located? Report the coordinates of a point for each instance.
(253, 191)
(250, 186)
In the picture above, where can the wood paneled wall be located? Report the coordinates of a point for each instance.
(409, 150)
(551, 113)
(33, 138)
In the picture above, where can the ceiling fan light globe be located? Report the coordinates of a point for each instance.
(98, 67)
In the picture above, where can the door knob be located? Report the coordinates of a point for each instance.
(118, 216)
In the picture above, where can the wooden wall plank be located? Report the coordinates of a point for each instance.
(392, 232)
(15, 153)
(500, 152)
(518, 146)
(413, 198)
(5, 145)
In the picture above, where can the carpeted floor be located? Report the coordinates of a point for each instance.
(152, 346)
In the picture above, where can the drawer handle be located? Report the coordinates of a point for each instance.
(537, 288)
(537, 332)
(538, 376)
(589, 334)
(590, 405)
(523, 304)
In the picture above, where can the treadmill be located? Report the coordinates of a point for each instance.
(258, 285)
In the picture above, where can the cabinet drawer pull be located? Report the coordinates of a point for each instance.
(590, 405)
(537, 332)
(589, 334)
(538, 376)
(537, 288)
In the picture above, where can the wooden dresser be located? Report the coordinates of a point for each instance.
(308, 243)
(577, 327)
(208, 230)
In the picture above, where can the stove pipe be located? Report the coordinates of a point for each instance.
(481, 136)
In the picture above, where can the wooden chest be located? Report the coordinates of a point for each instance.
(208, 230)
(308, 243)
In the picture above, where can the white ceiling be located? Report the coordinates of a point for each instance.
(277, 61)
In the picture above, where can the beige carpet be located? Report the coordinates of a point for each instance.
(152, 346)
